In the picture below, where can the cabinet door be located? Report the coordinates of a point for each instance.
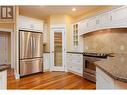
(103, 81)
(83, 27)
(75, 37)
(104, 20)
(24, 23)
(93, 23)
(46, 59)
(119, 14)
(36, 25)
(75, 63)
(3, 80)
(27, 23)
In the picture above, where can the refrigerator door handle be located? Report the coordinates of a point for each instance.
(34, 44)
(31, 42)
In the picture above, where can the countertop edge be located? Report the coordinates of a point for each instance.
(74, 52)
(112, 76)
(3, 69)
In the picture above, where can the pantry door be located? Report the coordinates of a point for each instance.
(57, 49)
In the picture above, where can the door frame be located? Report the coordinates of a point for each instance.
(12, 44)
(52, 67)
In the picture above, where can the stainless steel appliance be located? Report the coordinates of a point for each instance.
(89, 68)
(31, 51)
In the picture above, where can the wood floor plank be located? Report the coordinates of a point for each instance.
(49, 80)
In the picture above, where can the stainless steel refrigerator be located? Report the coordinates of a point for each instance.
(31, 52)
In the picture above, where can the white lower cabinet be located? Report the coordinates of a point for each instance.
(3, 80)
(105, 82)
(75, 63)
(46, 61)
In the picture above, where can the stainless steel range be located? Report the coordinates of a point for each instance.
(89, 68)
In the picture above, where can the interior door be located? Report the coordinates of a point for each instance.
(57, 50)
(25, 45)
(37, 45)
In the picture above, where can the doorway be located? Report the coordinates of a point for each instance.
(57, 49)
(5, 48)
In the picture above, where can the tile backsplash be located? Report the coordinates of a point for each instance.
(106, 40)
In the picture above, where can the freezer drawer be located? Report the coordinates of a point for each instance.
(31, 66)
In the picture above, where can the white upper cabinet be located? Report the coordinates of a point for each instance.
(83, 27)
(114, 18)
(26, 23)
(75, 38)
(93, 23)
(104, 20)
(119, 17)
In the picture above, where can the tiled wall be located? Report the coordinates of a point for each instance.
(108, 40)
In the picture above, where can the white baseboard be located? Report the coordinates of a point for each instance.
(75, 73)
(17, 76)
(46, 70)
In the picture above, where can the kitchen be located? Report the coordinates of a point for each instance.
(73, 47)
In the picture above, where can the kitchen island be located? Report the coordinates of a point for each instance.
(3, 76)
(112, 73)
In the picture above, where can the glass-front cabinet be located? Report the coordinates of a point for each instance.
(75, 31)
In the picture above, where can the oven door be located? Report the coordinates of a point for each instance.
(89, 70)
(90, 67)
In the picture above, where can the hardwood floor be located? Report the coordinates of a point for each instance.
(49, 80)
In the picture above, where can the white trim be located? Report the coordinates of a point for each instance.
(46, 70)
(17, 76)
(34, 30)
(75, 73)
(6, 30)
(58, 26)
(12, 44)
(12, 50)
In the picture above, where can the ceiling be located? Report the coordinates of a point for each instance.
(42, 12)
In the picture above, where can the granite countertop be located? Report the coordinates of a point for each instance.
(115, 67)
(4, 67)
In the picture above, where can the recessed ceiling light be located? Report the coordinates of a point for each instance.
(73, 9)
